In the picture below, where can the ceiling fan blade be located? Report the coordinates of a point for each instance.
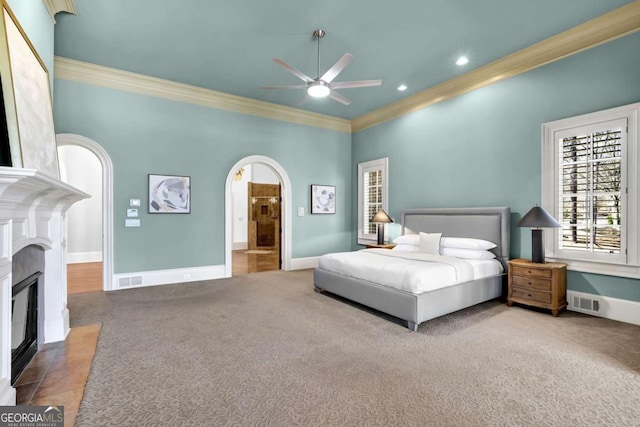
(359, 83)
(337, 68)
(304, 100)
(299, 74)
(285, 87)
(341, 99)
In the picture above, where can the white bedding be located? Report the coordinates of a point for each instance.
(414, 272)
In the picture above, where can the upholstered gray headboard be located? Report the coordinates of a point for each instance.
(491, 224)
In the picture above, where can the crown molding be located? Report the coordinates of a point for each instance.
(610, 26)
(83, 72)
(56, 6)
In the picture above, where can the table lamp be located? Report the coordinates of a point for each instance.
(381, 218)
(537, 218)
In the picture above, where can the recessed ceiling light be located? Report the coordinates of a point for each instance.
(402, 87)
(463, 60)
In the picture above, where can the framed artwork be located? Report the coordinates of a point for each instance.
(323, 199)
(169, 194)
(27, 101)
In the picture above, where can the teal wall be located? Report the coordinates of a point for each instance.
(484, 148)
(36, 22)
(143, 135)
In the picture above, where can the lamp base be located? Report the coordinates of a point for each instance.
(380, 233)
(537, 247)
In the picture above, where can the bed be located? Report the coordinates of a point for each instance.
(492, 224)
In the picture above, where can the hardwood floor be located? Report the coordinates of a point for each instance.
(84, 277)
(57, 374)
(245, 263)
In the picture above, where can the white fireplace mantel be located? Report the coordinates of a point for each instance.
(32, 212)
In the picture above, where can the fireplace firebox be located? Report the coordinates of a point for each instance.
(24, 324)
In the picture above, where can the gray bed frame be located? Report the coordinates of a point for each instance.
(491, 224)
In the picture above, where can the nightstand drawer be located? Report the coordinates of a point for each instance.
(531, 272)
(527, 294)
(532, 283)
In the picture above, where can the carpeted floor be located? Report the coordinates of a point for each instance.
(265, 349)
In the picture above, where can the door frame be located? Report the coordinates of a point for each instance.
(285, 194)
(63, 139)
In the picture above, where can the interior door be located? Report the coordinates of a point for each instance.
(264, 217)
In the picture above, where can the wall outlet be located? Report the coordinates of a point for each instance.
(186, 276)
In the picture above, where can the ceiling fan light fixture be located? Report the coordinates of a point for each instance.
(318, 89)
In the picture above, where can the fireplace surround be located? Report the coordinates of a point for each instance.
(32, 213)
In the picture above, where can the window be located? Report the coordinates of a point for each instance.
(589, 183)
(373, 185)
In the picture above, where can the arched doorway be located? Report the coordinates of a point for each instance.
(107, 199)
(285, 209)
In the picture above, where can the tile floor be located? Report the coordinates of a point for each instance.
(58, 373)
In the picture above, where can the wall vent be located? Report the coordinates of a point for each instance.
(584, 304)
(128, 282)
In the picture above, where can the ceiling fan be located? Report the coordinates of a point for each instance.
(324, 85)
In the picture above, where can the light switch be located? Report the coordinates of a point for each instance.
(132, 223)
(301, 211)
(134, 202)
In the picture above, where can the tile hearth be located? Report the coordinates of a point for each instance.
(58, 373)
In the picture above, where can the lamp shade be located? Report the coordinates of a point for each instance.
(538, 218)
(381, 217)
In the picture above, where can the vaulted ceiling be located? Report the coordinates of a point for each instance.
(229, 46)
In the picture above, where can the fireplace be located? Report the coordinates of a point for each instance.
(24, 324)
(33, 292)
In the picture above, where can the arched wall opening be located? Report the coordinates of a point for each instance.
(286, 209)
(107, 199)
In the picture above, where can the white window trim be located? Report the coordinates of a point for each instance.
(382, 164)
(630, 268)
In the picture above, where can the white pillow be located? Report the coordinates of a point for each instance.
(466, 243)
(467, 253)
(406, 248)
(408, 239)
(430, 243)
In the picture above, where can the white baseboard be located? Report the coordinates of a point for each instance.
(304, 263)
(79, 257)
(239, 246)
(167, 277)
(610, 308)
(7, 393)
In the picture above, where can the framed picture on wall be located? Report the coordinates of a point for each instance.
(169, 194)
(27, 101)
(323, 199)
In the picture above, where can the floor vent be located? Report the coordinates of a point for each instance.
(585, 304)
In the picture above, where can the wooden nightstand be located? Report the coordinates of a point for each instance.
(382, 246)
(538, 285)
